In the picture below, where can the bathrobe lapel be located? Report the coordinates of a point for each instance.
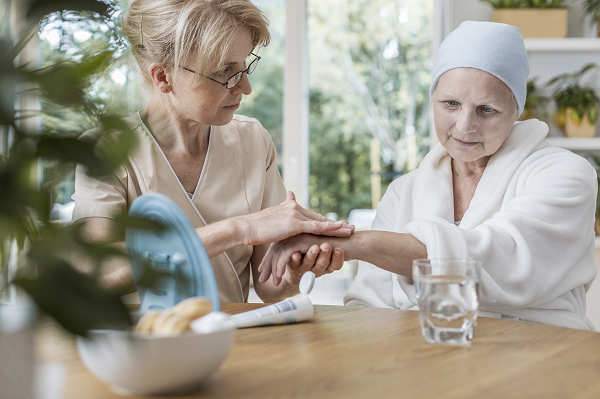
(433, 194)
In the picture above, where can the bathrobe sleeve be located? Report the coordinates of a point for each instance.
(538, 247)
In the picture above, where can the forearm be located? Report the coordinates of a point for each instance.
(390, 251)
(220, 236)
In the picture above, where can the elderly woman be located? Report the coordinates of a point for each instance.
(195, 57)
(492, 190)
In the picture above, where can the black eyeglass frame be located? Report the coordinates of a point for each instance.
(247, 71)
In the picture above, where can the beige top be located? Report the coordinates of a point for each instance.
(239, 177)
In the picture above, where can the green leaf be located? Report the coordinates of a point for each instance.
(116, 146)
(71, 150)
(65, 83)
(40, 8)
(74, 300)
(593, 114)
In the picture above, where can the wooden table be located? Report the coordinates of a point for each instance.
(348, 352)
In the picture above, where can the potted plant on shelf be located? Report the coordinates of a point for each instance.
(592, 9)
(535, 18)
(534, 102)
(577, 105)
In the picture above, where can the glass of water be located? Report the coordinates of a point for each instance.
(446, 291)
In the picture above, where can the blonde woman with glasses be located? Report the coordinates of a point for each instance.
(195, 57)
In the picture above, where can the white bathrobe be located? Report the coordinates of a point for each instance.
(530, 223)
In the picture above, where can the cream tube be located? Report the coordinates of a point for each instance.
(291, 310)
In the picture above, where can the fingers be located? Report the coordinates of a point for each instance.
(343, 231)
(265, 265)
(296, 260)
(323, 260)
(302, 265)
(337, 260)
(330, 228)
(290, 196)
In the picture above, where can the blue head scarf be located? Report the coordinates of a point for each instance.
(497, 49)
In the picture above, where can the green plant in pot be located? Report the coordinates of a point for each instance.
(592, 9)
(577, 105)
(527, 3)
(535, 101)
(535, 18)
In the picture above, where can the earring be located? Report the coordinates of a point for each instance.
(165, 90)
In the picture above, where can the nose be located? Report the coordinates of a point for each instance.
(243, 87)
(466, 122)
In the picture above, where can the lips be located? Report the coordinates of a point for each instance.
(465, 143)
(232, 107)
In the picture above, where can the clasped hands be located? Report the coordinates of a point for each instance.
(304, 247)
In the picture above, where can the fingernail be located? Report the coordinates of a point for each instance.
(339, 223)
(261, 278)
(351, 226)
(314, 252)
(325, 250)
(337, 253)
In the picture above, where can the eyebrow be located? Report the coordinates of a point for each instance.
(484, 102)
(235, 62)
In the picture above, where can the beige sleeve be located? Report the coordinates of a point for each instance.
(104, 196)
(275, 192)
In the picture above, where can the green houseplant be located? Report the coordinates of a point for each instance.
(535, 101)
(535, 18)
(577, 105)
(74, 300)
(592, 9)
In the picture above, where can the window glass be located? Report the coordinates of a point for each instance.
(266, 101)
(68, 36)
(370, 70)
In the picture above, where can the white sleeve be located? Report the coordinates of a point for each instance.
(372, 286)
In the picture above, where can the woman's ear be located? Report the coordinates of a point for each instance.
(161, 77)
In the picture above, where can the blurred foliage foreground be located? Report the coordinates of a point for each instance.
(45, 271)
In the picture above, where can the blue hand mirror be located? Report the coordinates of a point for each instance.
(176, 251)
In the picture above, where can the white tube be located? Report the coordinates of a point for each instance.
(289, 311)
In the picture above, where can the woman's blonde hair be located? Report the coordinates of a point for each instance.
(169, 32)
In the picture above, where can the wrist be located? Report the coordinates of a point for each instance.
(239, 230)
(353, 245)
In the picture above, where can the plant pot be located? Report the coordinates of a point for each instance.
(17, 361)
(583, 129)
(534, 22)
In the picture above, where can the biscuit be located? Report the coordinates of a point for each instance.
(193, 308)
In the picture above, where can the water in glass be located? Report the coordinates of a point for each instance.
(448, 307)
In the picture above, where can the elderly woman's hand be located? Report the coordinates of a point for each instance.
(284, 261)
(288, 219)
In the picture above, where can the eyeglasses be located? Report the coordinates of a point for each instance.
(235, 79)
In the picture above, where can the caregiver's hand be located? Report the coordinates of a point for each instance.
(285, 220)
(319, 257)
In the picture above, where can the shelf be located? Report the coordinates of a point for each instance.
(565, 44)
(575, 143)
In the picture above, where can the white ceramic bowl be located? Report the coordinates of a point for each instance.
(146, 364)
